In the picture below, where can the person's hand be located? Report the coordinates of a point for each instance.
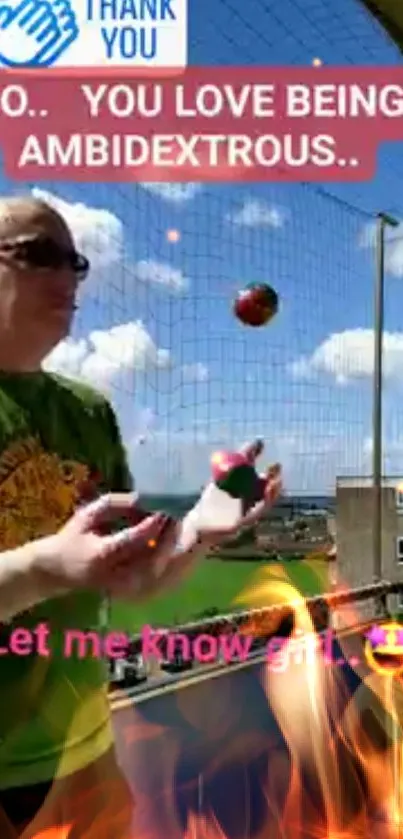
(193, 544)
(178, 568)
(131, 562)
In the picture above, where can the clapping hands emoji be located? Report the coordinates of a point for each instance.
(34, 33)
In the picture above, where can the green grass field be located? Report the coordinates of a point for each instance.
(215, 584)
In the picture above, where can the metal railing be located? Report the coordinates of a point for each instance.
(262, 623)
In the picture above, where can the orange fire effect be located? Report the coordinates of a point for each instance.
(354, 760)
(341, 774)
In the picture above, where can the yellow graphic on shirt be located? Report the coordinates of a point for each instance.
(38, 492)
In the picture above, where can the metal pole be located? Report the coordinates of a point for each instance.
(383, 221)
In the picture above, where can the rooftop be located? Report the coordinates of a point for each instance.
(366, 482)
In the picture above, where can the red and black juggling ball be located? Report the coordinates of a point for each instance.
(234, 474)
(256, 304)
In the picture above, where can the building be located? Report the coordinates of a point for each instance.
(354, 532)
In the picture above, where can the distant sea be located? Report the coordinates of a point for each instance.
(178, 505)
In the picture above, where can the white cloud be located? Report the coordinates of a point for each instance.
(100, 235)
(68, 357)
(257, 214)
(392, 454)
(197, 372)
(174, 193)
(349, 356)
(178, 460)
(393, 246)
(392, 447)
(161, 274)
(105, 356)
(142, 424)
(97, 232)
(312, 456)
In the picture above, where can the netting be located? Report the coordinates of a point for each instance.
(156, 327)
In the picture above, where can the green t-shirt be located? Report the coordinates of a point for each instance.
(55, 435)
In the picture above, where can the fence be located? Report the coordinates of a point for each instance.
(156, 328)
(350, 611)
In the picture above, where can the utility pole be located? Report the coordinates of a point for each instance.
(383, 222)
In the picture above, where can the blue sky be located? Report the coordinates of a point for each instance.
(304, 381)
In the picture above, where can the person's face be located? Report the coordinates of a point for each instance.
(40, 272)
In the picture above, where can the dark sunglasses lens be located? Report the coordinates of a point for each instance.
(45, 253)
(39, 253)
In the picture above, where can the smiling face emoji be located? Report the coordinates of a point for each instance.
(384, 649)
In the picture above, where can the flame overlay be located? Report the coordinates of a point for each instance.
(310, 753)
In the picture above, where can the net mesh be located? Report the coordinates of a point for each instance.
(156, 327)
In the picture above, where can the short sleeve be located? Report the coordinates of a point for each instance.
(120, 477)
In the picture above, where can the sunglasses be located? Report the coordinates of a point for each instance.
(43, 253)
